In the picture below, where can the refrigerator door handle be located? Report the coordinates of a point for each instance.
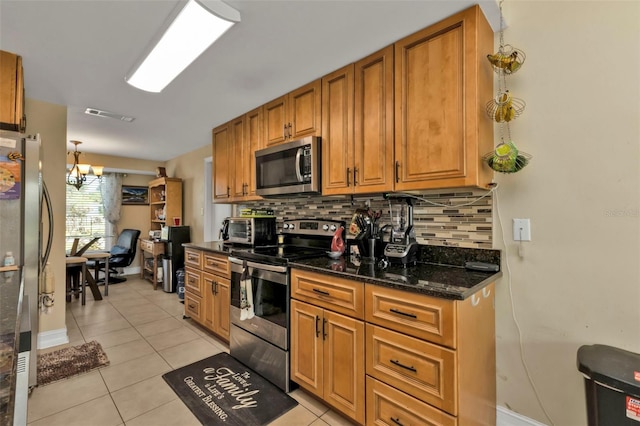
(47, 201)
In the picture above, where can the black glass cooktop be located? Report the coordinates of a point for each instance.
(277, 254)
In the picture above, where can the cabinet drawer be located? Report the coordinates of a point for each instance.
(414, 366)
(417, 315)
(389, 406)
(193, 281)
(146, 246)
(338, 294)
(217, 264)
(193, 258)
(193, 307)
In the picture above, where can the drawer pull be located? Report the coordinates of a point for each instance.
(399, 364)
(396, 421)
(395, 311)
(322, 292)
(192, 306)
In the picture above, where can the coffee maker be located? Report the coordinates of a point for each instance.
(402, 248)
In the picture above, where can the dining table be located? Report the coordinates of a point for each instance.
(82, 251)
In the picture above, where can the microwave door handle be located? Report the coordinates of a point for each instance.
(298, 165)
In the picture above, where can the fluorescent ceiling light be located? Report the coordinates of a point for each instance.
(194, 29)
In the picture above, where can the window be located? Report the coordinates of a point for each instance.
(85, 215)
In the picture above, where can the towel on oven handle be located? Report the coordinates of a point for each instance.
(246, 294)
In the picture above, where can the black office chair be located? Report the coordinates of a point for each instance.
(122, 254)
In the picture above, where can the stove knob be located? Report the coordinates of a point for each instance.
(333, 228)
(325, 227)
(291, 226)
(285, 226)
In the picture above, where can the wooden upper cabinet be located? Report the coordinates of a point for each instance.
(253, 141)
(442, 80)
(294, 115)
(223, 163)
(373, 122)
(240, 157)
(337, 132)
(357, 126)
(11, 93)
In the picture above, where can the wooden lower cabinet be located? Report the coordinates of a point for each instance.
(409, 359)
(208, 290)
(388, 406)
(327, 357)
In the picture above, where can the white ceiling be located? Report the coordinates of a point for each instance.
(76, 53)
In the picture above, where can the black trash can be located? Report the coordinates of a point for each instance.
(180, 286)
(612, 385)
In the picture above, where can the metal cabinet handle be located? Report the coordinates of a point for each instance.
(355, 180)
(289, 132)
(397, 171)
(216, 283)
(284, 131)
(322, 292)
(396, 311)
(399, 364)
(348, 173)
(396, 421)
(317, 326)
(228, 191)
(324, 333)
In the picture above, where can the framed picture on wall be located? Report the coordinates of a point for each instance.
(135, 195)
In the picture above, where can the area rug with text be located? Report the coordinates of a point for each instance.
(221, 390)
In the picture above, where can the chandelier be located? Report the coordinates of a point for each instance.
(79, 171)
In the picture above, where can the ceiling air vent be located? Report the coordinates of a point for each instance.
(107, 114)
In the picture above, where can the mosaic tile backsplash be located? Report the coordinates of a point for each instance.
(454, 225)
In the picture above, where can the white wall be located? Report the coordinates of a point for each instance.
(579, 280)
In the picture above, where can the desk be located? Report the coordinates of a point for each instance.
(98, 257)
(152, 250)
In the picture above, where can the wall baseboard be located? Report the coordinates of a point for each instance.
(48, 339)
(506, 417)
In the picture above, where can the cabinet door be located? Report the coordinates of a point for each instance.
(442, 81)
(306, 347)
(253, 142)
(344, 364)
(373, 122)
(222, 163)
(239, 158)
(208, 293)
(337, 132)
(275, 119)
(11, 92)
(221, 303)
(304, 111)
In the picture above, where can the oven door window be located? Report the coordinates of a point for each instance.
(270, 295)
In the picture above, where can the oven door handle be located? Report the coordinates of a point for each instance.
(263, 266)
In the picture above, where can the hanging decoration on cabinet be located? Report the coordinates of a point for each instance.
(504, 108)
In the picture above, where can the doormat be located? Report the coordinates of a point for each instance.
(68, 362)
(221, 390)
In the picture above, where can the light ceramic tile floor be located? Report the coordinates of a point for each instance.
(144, 335)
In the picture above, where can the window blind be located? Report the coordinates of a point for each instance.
(85, 214)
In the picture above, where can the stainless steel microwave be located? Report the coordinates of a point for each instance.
(291, 168)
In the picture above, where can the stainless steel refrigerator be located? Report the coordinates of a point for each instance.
(23, 200)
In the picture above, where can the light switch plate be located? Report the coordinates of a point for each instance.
(521, 230)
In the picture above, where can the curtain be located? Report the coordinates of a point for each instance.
(111, 190)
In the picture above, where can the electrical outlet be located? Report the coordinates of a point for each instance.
(521, 230)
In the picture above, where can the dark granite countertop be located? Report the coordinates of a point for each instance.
(212, 246)
(10, 308)
(448, 281)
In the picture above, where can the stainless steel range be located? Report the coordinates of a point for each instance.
(260, 303)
